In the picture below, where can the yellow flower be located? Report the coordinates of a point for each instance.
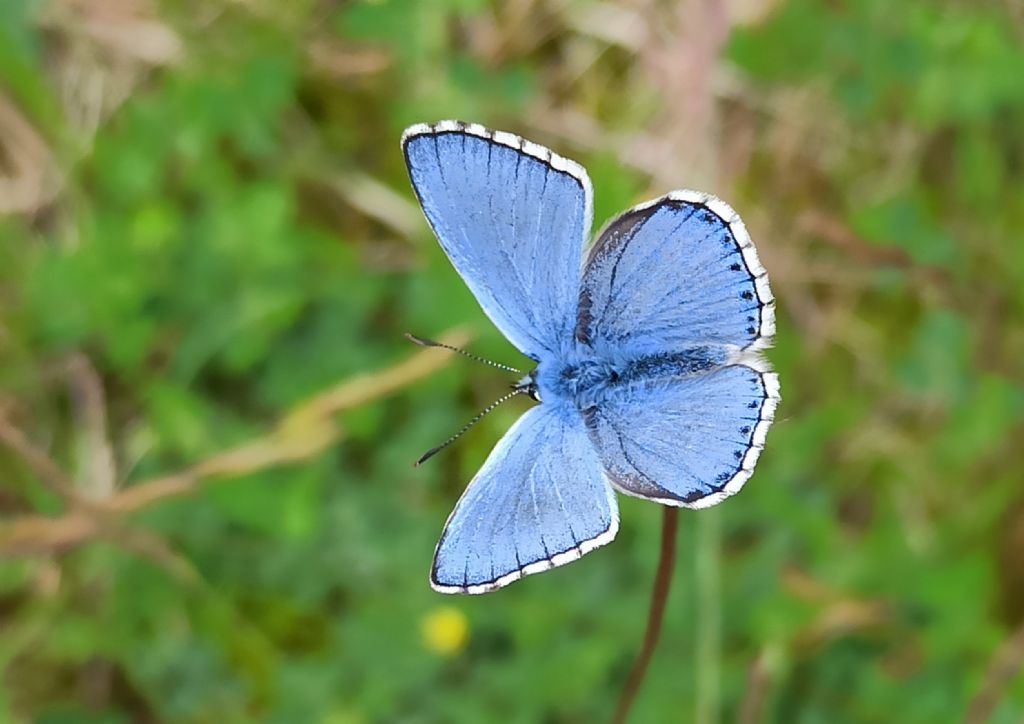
(445, 630)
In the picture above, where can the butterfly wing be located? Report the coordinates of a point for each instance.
(675, 272)
(539, 501)
(513, 218)
(688, 441)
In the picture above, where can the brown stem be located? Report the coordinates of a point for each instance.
(48, 472)
(1002, 670)
(300, 435)
(662, 582)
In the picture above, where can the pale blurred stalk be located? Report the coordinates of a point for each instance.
(709, 617)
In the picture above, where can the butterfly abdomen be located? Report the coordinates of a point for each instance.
(669, 365)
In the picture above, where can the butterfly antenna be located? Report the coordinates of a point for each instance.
(434, 450)
(423, 342)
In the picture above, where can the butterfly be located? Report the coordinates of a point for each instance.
(646, 343)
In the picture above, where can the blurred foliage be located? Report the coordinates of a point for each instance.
(206, 221)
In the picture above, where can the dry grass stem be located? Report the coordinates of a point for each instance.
(300, 435)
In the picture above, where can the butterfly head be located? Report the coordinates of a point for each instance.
(528, 386)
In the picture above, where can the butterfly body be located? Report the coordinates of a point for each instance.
(584, 380)
(649, 373)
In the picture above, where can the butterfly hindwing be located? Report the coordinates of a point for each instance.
(690, 441)
(513, 217)
(540, 500)
(677, 271)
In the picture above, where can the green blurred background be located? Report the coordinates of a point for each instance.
(209, 251)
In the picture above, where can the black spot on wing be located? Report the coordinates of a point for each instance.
(722, 478)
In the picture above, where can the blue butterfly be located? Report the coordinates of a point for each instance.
(647, 346)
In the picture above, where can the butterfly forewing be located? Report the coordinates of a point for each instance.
(673, 273)
(513, 218)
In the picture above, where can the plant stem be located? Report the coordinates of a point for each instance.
(662, 582)
(709, 617)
